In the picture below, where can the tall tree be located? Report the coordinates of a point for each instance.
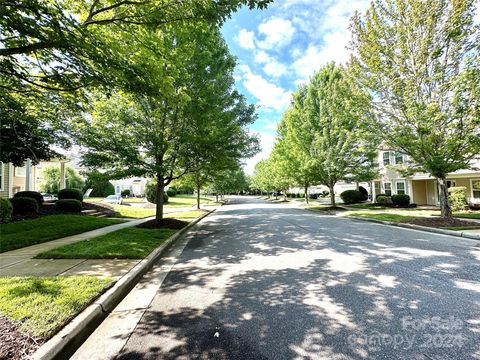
(335, 114)
(149, 129)
(421, 61)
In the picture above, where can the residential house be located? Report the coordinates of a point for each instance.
(27, 177)
(422, 188)
(135, 185)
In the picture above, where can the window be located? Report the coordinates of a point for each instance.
(451, 183)
(386, 158)
(476, 189)
(1, 176)
(401, 187)
(398, 158)
(20, 171)
(388, 188)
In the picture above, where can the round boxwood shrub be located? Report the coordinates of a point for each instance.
(30, 194)
(125, 192)
(401, 199)
(384, 199)
(351, 197)
(69, 205)
(172, 192)
(24, 205)
(5, 210)
(70, 194)
(151, 193)
(364, 192)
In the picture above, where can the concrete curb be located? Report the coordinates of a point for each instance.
(63, 344)
(421, 228)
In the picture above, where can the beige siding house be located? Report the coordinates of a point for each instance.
(422, 188)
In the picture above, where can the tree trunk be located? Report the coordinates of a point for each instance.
(198, 196)
(306, 193)
(159, 207)
(445, 207)
(332, 196)
(216, 198)
(284, 195)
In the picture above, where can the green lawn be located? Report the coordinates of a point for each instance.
(130, 243)
(382, 216)
(29, 232)
(186, 214)
(187, 200)
(133, 200)
(365, 206)
(133, 211)
(44, 304)
(468, 215)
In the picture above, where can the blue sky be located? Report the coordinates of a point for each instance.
(281, 47)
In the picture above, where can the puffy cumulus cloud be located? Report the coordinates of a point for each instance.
(275, 69)
(268, 94)
(246, 39)
(277, 33)
(267, 139)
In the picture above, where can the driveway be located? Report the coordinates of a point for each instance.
(271, 281)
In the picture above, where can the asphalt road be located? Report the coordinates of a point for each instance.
(264, 281)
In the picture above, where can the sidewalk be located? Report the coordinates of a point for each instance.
(20, 262)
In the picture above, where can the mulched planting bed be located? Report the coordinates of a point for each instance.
(14, 344)
(167, 223)
(106, 209)
(440, 222)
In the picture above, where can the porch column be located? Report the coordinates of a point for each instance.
(372, 187)
(28, 165)
(63, 183)
(410, 191)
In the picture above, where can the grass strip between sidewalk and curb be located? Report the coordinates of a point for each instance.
(129, 243)
(24, 233)
(67, 340)
(43, 304)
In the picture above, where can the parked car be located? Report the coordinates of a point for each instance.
(48, 197)
(113, 199)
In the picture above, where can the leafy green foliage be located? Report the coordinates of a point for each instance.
(458, 198)
(100, 186)
(351, 197)
(422, 61)
(5, 210)
(24, 205)
(151, 192)
(51, 179)
(70, 194)
(30, 194)
(401, 199)
(69, 205)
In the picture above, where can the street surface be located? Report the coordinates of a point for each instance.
(271, 281)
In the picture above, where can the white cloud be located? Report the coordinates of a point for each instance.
(246, 39)
(262, 57)
(266, 144)
(275, 69)
(278, 32)
(269, 95)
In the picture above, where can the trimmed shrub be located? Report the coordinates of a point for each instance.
(24, 205)
(384, 199)
(401, 200)
(125, 192)
(351, 197)
(69, 205)
(458, 198)
(172, 192)
(5, 210)
(70, 194)
(151, 193)
(30, 194)
(364, 192)
(378, 195)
